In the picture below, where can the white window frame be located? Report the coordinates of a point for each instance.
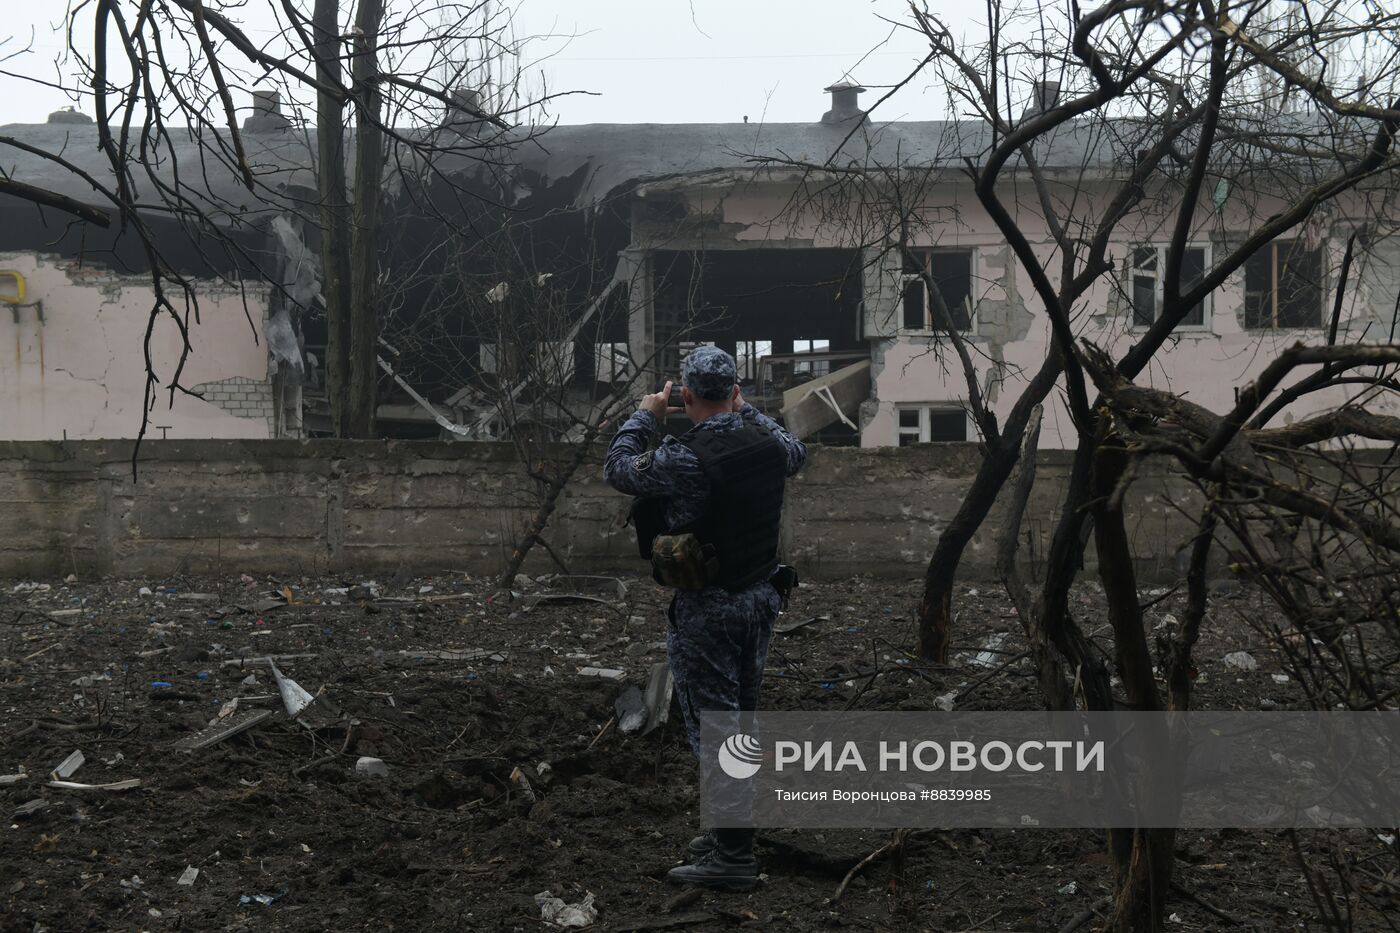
(905, 278)
(1207, 304)
(923, 433)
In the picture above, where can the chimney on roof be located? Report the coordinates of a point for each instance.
(464, 114)
(69, 115)
(1044, 96)
(844, 106)
(267, 114)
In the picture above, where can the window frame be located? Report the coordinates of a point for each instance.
(1274, 246)
(1159, 289)
(907, 278)
(924, 431)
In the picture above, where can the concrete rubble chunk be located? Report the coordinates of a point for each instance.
(371, 768)
(1240, 661)
(605, 673)
(68, 766)
(554, 911)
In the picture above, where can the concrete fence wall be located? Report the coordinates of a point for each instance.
(227, 506)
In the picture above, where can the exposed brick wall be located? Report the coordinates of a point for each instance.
(243, 398)
(362, 506)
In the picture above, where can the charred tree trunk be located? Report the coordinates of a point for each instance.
(1142, 857)
(360, 397)
(936, 604)
(335, 223)
(999, 459)
(1054, 684)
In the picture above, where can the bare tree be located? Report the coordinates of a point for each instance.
(1200, 120)
(164, 78)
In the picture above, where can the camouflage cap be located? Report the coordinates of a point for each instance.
(710, 373)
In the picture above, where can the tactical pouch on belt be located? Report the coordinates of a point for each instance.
(680, 561)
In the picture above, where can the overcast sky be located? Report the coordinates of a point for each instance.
(666, 61)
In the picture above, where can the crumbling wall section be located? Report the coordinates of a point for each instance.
(305, 507)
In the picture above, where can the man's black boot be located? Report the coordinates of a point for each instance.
(701, 846)
(729, 866)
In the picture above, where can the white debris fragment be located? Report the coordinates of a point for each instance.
(990, 655)
(554, 910)
(68, 766)
(188, 876)
(606, 673)
(1280, 678)
(1240, 661)
(945, 702)
(371, 768)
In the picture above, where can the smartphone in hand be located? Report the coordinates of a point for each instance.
(674, 400)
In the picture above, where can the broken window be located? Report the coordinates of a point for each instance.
(1146, 283)
(951, 271)
(552, 362)
(813, 369)
(611, 362)
(1283, 286)
(930, 424)
(747, 354)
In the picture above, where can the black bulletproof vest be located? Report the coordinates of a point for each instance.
(745, 469)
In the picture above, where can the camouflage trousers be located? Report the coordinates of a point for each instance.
(717, 645)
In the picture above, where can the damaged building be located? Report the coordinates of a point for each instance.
(597, 255)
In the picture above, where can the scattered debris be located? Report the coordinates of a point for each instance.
(519, 779)
(1281, 678)
(606, 673)
(607, 591)
(784, 628)
(8, 779)
(631, 710)
(452, 654)
(1240, 661)
(188, 876)
(945, 701)
(264, 899)
(1071, 888)
(224, 729)
(294, 696)
(992, 650)
(265, 659)
(554, 910)
(371, 768)
(128, 784)
(68, 766)
(31, 808)
(658, 696)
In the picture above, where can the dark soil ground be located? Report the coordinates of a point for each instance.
(448, 841)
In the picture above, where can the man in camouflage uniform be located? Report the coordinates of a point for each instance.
(722, 480)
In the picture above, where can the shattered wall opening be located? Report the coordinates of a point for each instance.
(790, 317)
